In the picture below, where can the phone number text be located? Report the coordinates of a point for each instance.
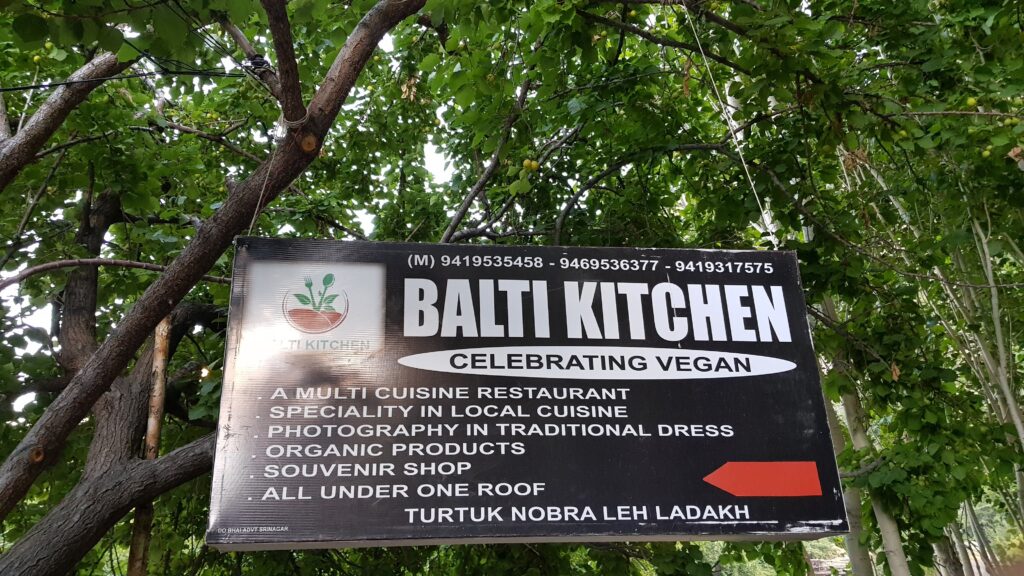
(492, 261)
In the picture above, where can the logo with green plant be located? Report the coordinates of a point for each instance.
(316, 310)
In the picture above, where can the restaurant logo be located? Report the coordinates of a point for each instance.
(315, 311)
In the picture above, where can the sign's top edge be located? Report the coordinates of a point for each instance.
(257, 240)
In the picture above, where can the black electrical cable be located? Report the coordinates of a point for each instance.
(249, 66)
(123, 77)
(196, 27)
(162, 63)
(207, 39)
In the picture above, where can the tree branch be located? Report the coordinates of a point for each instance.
(266, 74)
(44, 440)
(74, 142)
(661, 41)
(954, 113)
(615, 167)
(220, 139)
(869, 254)
(58, 264)
(16, 241)
(333, 223)
(79, 297)
(215, 138)
(865, 469)
(692, 6)
(5, 123)
(47, 385)
(86, 514)
(492, 164)
(19, 150)
(484, 229)
(441, 29)
(835, 327)
(287, 68)
(709, 16)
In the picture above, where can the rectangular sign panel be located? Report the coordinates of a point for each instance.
(382, 394)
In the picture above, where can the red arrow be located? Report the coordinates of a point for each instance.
(767, 478)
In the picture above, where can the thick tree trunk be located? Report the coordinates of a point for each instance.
(946, 559)
(78, 313)
(966, 561)
(114, 477)
(987, 554)
(938, 562)
(54, 545)
(1019, 516)
(892, 542)
(860, 559)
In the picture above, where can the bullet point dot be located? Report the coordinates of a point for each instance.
(259, 398)
(250, 498)
(251, 476)
(257, 417)
(255, 436)
(254, 456)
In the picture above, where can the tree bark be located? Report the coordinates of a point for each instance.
(73, 527)
(987, 554)
(892, 543)
(43, 442)
(113, 454)
(860, 559)
(138, 552)
(20, 149)
(266, 74)
(287, 68)
(946, 559)
(78, 314)
(958, 542)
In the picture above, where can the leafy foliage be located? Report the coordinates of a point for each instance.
(879, 140)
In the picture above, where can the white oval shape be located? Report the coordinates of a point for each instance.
(597, 363)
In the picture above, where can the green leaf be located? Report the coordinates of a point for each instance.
(521, 186)
(833, 29)
(170, 27)
(126, 53)
(330, 299)
(30, 28)
(466, 96)
(303, 299)
(851, 141)
(239, 10)
(429, 63)
(110, 38)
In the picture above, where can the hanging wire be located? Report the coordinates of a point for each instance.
(162, 63)
(165, 66)
(263, 189)
(121, 77)
(211, 41)
(196, 27)
(733, 130)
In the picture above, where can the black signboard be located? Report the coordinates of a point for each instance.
(382, 394)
